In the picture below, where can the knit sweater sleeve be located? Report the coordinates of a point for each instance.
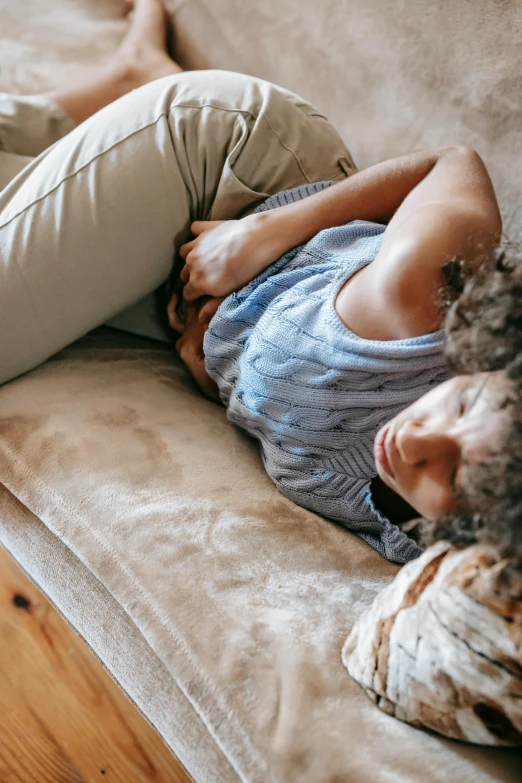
(292, 195)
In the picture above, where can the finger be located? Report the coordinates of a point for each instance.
(174, 320)
(190, 349)
(186, 248)
(191, 293)
(209, 310)
(192, 314)
(184, 275)
(199, 226)
(206, 384)
(172, 304)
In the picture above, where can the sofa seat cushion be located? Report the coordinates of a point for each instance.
(243, 599)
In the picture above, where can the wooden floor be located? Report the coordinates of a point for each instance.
(62, 718)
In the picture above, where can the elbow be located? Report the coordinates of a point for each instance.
(463, 152)
(494, 224)
(480, 191)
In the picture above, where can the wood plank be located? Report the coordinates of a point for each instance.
(62, 718)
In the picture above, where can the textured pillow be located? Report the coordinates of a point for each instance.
(441, 646)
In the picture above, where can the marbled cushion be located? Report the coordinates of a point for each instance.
(441, 646)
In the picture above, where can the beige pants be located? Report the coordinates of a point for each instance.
(93, 223)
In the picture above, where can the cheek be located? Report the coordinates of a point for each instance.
(429, 405)
(428, 494)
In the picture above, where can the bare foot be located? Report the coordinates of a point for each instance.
(142, 55)
(141, 58)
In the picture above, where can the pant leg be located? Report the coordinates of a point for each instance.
(32, 124)
(277, 141)
(29, 124)
(93, 224)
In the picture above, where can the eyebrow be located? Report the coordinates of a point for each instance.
(457, 490)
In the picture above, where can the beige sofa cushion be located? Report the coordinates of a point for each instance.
(244, 599)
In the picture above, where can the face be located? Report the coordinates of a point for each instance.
(424, 453)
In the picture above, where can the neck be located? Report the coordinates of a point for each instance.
(390, 503)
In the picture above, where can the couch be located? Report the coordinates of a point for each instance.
(219, 606)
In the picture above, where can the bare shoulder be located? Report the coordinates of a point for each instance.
(397, 295)
(452, 212)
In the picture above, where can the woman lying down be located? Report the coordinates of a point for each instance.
(314, 370)
(318, 321)
(368, 414)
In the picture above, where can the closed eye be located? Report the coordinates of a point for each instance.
(458, 478)
(453, 481)
(461, 400)
(463, 407)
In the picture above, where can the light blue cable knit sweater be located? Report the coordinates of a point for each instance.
(313, 393)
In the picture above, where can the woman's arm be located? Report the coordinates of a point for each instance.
(226, 256)
(451, 213)
(388, 190)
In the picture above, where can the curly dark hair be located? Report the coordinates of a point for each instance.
(483, 328)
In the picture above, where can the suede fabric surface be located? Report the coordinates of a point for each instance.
(392, 77)
(243, 597)
(218, 605)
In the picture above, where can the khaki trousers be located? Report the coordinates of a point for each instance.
(93, 223)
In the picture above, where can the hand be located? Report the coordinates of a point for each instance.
(177, 311)
(190, 348)
(226, 255)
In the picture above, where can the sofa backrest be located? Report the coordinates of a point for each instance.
(392, 76)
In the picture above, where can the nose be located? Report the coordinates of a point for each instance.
(418, 442)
